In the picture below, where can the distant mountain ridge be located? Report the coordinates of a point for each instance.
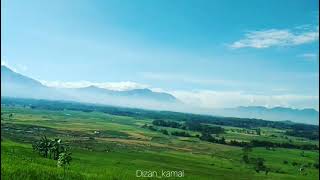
(309, 116)
(141, 93)
(9, 76)
(17, 85)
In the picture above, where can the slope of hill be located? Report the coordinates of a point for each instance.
(11, 77)
(17, 85)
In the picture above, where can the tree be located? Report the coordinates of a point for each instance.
(152, 128)
(222, 140)
(246, 149)
(205, 136)
(260, 165)
(43, 146)
(50, 148)
(267, 170)
(258, 131)
(10, 115)
(294, 163)
(64, 161)
(164, 131)
(56, 147)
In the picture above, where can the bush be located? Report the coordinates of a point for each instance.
(294, 163)
(181, 133)
(172, 124)
(164, 131)
(152, 128)
(260, 165)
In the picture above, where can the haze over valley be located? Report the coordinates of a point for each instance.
(18, 85)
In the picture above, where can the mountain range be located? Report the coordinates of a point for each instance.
(308, 116)
(17, 85)
(14, 84)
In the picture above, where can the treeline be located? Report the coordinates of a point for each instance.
(304, 131)
(165, 132)
(208, 137)
(190, 125)
(256, 143)
(197, 126)
(207, 131)
(259, 143)
(180, 133)
(307, 131)
(312, 135)
(172, 124)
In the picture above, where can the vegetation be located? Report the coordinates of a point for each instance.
(50, 148)
(160, 115)
(112, 143)
(64, 161)
(181, 133)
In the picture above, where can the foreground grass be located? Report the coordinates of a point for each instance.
(20, 162)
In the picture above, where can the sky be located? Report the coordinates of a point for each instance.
(213, 53)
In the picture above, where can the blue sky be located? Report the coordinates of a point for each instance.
(212, 53)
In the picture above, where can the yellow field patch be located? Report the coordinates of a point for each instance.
(142, 143)
(136, 135)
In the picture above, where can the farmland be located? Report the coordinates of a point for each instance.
(115, 144)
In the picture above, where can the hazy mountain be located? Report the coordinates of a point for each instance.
(135, 93)
(11, 77)
(309, 116)
(16, 85)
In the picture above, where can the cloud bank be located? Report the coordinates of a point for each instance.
(207, 99)
(277, 37)
(117, 86)
(225, 99)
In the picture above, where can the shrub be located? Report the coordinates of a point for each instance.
(181, 133)
(164, 131)
(294, 163)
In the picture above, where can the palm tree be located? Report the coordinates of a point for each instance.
(43, 146)
(57, 147)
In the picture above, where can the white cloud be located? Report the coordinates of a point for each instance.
(118, 86)
(218, 99)
(277, 37)
(309, 55)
